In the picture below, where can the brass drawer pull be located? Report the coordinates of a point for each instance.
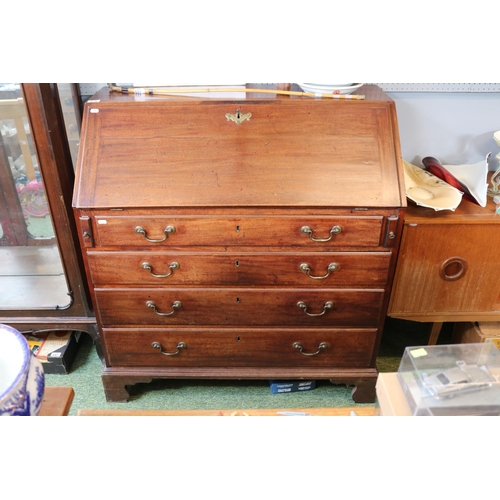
(180, 346)
(168, 230)
(332, 267)
(453, 269)
(177, 304)
(302, 305)
(172, 266)
(298, 345)
(333, 231)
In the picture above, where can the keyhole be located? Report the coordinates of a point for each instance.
(237, 229)
(237, 263)
(238, 300)
(238, 339)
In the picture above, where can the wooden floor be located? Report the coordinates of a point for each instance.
(32, 277)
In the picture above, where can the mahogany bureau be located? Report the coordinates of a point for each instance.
(245, 238)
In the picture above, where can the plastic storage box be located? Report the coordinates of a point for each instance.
(461, 379)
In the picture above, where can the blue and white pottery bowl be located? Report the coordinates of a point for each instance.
(22, 380)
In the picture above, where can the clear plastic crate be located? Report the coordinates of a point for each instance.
(461, 379)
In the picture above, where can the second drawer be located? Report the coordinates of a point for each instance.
(163, 268)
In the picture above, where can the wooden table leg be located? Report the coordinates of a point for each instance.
(434, 333)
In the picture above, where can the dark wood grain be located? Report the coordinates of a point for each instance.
(233, 306)
(355, 269)
(235, 199)
(212, 347)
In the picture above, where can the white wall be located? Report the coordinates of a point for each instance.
(454, 127)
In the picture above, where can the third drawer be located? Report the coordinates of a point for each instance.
(237, 306)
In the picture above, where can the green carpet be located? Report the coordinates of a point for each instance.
(85, 378)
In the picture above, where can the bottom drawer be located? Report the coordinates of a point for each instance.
(248, 347)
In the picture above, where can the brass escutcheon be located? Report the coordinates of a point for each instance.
(238, 117)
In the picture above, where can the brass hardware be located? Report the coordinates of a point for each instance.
(390, 231)
(302, 305)
(332, 267)
(180, 346)
(173, 266)
(321, 346)
(86, 227)
(334, 230)
(177, 304)
(168, 230)
(453, 269)
(238, 117)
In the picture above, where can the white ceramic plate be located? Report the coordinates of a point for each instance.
(328, 85)
(427, 190)
(317, 88)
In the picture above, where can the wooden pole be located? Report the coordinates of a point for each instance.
(187, 90)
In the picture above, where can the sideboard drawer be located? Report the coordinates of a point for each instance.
(240, 347)
(311, 232)
(236, 306)
(165, 268)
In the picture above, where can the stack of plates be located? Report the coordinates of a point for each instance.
(330, 88)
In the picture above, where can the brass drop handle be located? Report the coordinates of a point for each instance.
(333, 231)
(332, 267)
(172, 266)
(321, 346)
(180, 346)
(302, 305)
(177, 304)
(168, 230)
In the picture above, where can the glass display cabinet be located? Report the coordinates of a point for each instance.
(42, 284)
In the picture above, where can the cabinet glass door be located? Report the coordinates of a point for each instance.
(31, 271)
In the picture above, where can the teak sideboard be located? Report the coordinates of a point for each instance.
(448, 267)
(245, 238)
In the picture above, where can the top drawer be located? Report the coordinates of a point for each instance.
(271, 231)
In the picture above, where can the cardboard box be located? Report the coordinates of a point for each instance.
(56, 350)
(477, 332)
(278, 387)
(391, 400)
